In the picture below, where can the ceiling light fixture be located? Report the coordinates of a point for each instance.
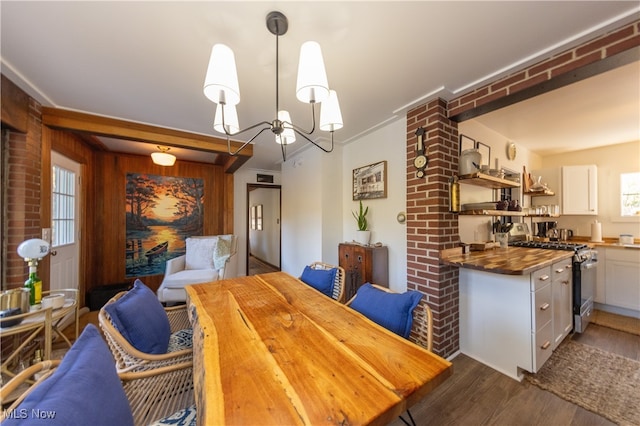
(163, 158)
(221, 87)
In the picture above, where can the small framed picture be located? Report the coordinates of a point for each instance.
(370, 181)
(466, 143)
(485, 151)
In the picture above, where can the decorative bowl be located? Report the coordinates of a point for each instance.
(54, 301)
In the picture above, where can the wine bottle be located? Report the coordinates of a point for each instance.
(34, 284)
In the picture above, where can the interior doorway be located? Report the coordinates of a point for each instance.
(263, 225)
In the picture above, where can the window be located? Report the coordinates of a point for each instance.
(63, 207)
(630, 194)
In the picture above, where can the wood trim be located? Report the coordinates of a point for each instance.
(15, 106)
(129, 130)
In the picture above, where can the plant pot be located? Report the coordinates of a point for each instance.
(363, 237)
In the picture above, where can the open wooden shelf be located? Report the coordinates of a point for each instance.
(487, 181)
(546, 192)
(492, 213)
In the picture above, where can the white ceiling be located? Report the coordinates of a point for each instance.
(145, 61)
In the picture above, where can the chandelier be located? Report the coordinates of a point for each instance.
(221, 87)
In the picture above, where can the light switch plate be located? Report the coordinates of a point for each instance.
(46, 234)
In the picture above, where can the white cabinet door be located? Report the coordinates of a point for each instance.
(580, 190)
(562, 301)
(622, 277)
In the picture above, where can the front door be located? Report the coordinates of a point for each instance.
(65, 223)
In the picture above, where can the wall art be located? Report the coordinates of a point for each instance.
(370, 181)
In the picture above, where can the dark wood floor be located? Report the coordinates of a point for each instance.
(479, 395)
(257, 266)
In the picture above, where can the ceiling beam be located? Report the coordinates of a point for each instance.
(129, 130)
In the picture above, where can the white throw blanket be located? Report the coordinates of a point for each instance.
(222, 251)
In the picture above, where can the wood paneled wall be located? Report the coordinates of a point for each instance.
(108, 236)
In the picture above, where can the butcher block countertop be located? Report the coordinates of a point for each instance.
(508, 261)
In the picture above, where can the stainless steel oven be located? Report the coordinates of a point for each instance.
(585, 264)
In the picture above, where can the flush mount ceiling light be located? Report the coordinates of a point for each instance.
(163, 158)
(221, 87)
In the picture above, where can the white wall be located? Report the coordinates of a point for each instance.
(611, 160)
(387, 143)
(240, 208)
(265, 243)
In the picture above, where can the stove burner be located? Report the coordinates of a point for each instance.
(550, 245)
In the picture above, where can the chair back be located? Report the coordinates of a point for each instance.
(338, 284)
(422, 326)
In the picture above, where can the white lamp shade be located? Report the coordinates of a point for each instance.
(230, 119)
(330, 115)
(312, 79)
(33, 249)
(288, 135)
(221, 81)
(163, 158)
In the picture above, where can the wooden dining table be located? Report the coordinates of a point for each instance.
(268, 349)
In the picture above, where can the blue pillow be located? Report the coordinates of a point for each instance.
(84, 390)
(393, 311)
(141, 319)
(320, 279)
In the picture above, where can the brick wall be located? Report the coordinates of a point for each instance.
(23, 152)
(430, 226)
(605, 46)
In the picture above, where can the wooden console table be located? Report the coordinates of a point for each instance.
(268, 349)
(363, 264)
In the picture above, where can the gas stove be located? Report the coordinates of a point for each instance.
(551, 245)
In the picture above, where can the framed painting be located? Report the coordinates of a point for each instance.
(370, 181)
(466, 143)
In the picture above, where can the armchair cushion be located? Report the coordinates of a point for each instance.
(320, 279)
(199, 252)
(141, 319)
(393, 311)
(222, 251)
(84, 389)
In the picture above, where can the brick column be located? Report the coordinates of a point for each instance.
(430, 226)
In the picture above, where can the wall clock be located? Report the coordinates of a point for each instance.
(421, 160)
(511, 151)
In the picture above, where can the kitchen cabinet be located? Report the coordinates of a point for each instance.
(506, 321)
(580, 190)
(363, 264)
(561, 276)
(622, 277)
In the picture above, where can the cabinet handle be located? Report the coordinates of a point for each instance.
(546, 345)
(565, 282)
(544, 277)
(559, 271)
(544, 307)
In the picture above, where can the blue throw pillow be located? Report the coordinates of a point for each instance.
(84, 390)
(320, 279)
(393, 311)
(141, 319)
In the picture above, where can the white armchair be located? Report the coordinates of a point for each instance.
(209, 258)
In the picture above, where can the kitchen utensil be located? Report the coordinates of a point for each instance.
(565, 234)
(552, 234)
(470, 161)
(15, 298)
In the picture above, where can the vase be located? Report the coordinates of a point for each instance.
(362, 237)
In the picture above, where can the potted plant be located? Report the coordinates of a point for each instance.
(363, 234)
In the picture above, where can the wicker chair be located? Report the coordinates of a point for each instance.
(168, 378)
(422, 326)
(145, 410)
(338, 285)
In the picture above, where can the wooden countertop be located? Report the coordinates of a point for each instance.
(508, 261)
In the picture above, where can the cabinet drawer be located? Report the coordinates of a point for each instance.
(542, 345)
(540, 278)
(561, 270)
(541, 310)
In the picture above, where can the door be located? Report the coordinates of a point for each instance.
(65, 222)
(263, 227)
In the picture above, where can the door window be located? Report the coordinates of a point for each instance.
(63, 207)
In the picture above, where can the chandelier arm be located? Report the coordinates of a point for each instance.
(232, 153)
(283, 148)
(318, 146)
(299, 129)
